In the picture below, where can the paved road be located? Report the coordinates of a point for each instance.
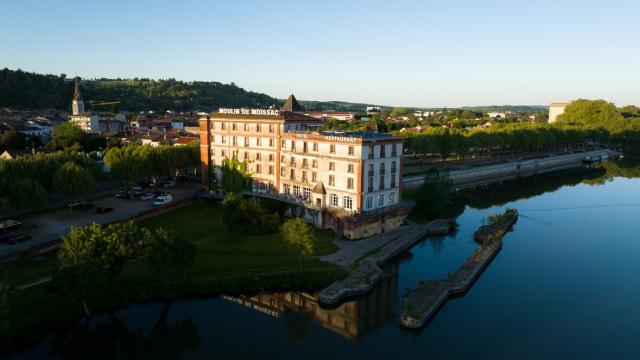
(52, 225)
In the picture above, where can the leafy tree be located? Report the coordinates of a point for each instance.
(432, 199)
(71, 179)
(79, 264)
(299, 234)
(169, 250)
(234, 175)
(66, 135)
(12, 140)
(25, 193)
(248, 217)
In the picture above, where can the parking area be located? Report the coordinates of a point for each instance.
(51, 225)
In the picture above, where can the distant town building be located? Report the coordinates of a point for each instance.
(555, 110)
(94, 122)
(346, 181)
(338, 115)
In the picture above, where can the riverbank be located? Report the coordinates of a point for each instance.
(421, 303)
(226, 262)
(489, 174)
(368, 273)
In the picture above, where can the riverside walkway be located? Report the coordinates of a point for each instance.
(421, 303)
(367, 272)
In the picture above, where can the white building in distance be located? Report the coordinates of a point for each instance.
(555, 110)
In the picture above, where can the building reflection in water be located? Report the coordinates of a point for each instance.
(351, 319)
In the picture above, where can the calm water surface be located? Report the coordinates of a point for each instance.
(565, 285)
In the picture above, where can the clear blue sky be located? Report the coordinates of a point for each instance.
(393, 52)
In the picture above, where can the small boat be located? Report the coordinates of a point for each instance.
(9, 225)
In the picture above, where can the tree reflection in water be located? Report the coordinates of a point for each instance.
(112, 339)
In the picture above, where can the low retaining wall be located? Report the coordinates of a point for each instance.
(421, 303)
(482, 175)
(368, 274)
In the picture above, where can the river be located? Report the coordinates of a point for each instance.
(563, 286)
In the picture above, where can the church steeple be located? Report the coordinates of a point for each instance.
(76, 92)
(77, 105)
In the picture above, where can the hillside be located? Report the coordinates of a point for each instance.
(19, 89)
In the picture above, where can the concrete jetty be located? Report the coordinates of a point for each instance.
(421, 303)
(368, 273)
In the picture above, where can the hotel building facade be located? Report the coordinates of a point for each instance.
(346, 181)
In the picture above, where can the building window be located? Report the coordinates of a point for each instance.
(270, 128)
(351, 151)
(332, 180)
(393, 181)
(306, 193)
(332, 149)
(394, 152)
(222, 126)
(233, 126)
(350, 183)
(314, 163)
(282, 171)
(393, 167)
(304, 147)
(224, 139)
(381, 182)
(305, 163)
(235, 141)
(350, 168)
(370, 187)
(293, 162)
(258, 127)
(296, 190)
(314, 176)
(283, 144)
(258, 156)
(224, 153)
(347, 203)
(392, 198)
(382, 169)
(332, 166)
(213, 139)
(246, 142)
(285, 189)
(369, 204)
(383, 151)
(246, 127)
(381, 200)
(270, 169)
(246, 155)
(315, 146)
(282, 159)
(259, 141)
(292, 175)
(333, 200)
(270, 142)
(304, 176)
(293, 145)
(258, 169)
(371, 151)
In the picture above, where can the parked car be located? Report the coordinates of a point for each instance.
(169, 184)
(80, 205)
(147, 196)
(123, 194)
(137, 188)
(17, 238)
(10, 225)
(137, 193)
(103, 209)
(163, 200)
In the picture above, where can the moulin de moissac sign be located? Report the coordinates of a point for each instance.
(249, 111)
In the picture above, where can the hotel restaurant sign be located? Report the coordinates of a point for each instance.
(270, 112)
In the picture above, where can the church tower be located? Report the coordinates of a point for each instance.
(77, 105)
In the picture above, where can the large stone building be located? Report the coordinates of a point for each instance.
(95, 122)
(555, 110)
(346, 181)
